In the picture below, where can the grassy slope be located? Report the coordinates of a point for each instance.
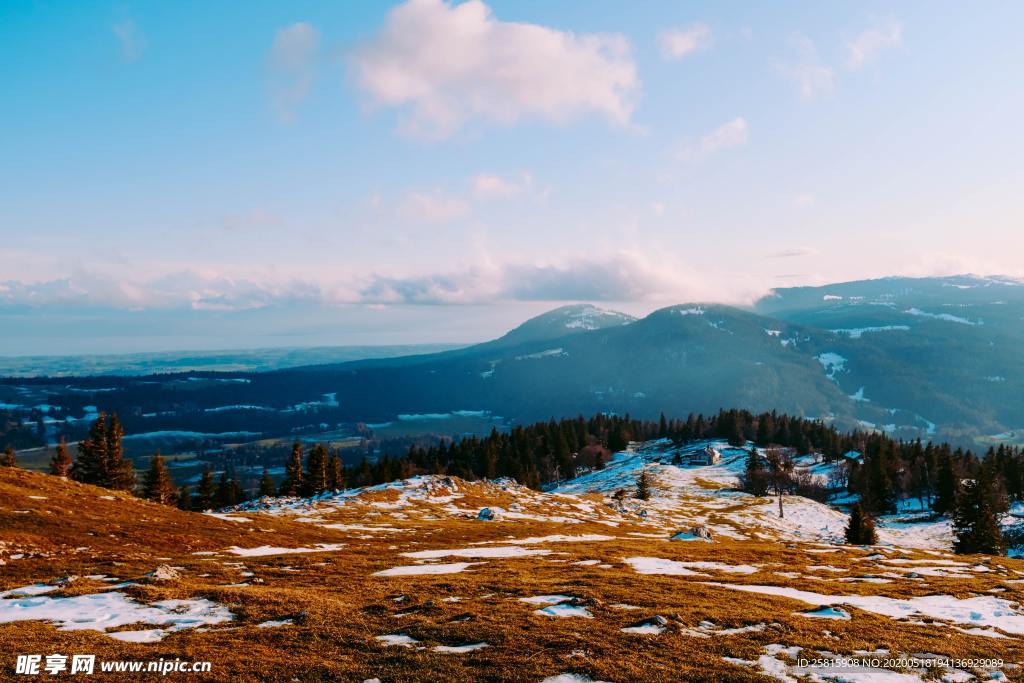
(339, 606)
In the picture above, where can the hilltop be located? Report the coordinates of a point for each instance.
(437, 578)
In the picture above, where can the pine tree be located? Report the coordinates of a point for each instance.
(267, 487)
(643, 486)
(947, 483)
(765, 430)
(867, 530)
(8, 458)
(237, 492)
(861, 529)
(734, 429)
(157, 485)
(335, 473)
(91, 465)
(60, 464)
(184, 498)
(563, 456)
(755, 476)
(225, 496)
(975, 516)
(292, 484)
(880, 496)
(618, 440)
(120, 473)
(316, 480)
(363, 476)
(206, 491)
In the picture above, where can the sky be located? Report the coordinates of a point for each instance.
(228, 175)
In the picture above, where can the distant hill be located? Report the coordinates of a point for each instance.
(949, 349)
(562, 322)
(929, 357)
(240, 360)
(936, 358)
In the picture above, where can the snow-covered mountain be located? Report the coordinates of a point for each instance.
(934, 358)
(562, 322)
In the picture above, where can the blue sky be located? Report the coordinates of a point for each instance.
(431, 171)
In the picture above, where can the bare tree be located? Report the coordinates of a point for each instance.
(780, 474)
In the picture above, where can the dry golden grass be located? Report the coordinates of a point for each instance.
(339, 606)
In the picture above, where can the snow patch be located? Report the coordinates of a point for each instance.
(427, 569)
(264, 550)
(104, 611)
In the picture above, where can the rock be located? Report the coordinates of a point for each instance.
(486, 515)
(164, 573)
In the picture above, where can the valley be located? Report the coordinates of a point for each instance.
(931, 358)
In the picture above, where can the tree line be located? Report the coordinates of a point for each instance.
(880, 470)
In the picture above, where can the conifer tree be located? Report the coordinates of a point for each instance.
(765, 429)
(316, 478)
(8, 458)
(225, 496)
(733, 430)
(861, 529)
(975, 516)
(184, 498)
(267, 487)
(335, 473)
(157, 485)
(237, 492)
(292, 484)
(880, 496)
(947, 482)
(643, 486)
(755, 476)
(206, 490)
(120, 473)
(563, 456)
(91, 465)
(60, 463)
(363, 476)
(618, 439)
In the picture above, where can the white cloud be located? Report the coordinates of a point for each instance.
(658, 209)
(611, 276)
(622, 276)
(130, 39)
(811, 76)
(446, 65)
(730, 134)
(433, 207)
(182, 289)
(489, 186)
(677, 43)
(291, 65)
(864, 48)
(804, 199)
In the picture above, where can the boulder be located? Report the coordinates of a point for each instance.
(164, 573)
